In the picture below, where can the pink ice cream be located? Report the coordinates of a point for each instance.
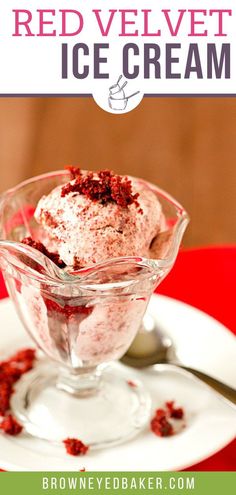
(87, 220)
(84, 231)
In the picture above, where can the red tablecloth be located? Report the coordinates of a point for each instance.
(204, 278)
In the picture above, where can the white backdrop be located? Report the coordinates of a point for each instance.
(33, 64)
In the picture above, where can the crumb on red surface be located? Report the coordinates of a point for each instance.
(10, 426)
(105, 187)
(175, 412)
(75, 447)
(28, 241)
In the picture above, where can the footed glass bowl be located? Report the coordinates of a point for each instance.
(81, 322)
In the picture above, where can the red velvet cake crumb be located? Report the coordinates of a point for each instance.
(161, 427)
(175, 412)
(160, 424)
(74, 171)
(11, 426)
(10, 371)
(49, 220)
(160, 414)
(28, 241)
(24, 355)
(5, 395)
(105, 187)
(75, 446)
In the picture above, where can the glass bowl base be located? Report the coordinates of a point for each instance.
(118, 409)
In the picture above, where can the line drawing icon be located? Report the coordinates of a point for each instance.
(117, 98)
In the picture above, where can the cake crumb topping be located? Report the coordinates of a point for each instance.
(103, 186)
(28, 241)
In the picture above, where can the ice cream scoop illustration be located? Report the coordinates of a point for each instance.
(117, 98)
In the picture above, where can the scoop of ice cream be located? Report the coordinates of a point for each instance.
(88, 226)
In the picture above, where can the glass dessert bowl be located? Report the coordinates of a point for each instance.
(81, 320)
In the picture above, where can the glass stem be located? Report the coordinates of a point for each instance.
(81, 383)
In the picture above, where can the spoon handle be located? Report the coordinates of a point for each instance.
(228, 392)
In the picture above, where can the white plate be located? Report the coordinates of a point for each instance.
(211, 423)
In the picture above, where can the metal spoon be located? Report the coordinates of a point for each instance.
(151, 347)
